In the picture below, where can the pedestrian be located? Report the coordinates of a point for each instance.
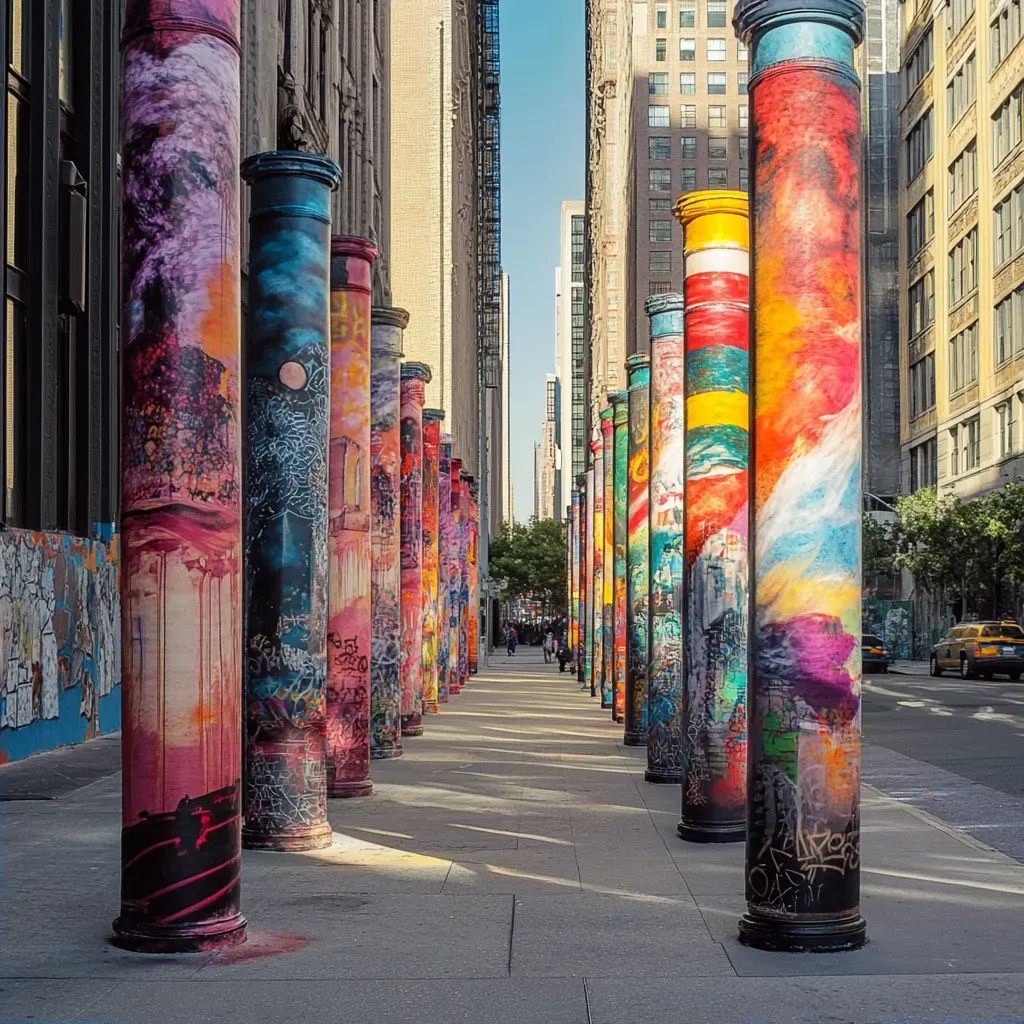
(549, 646)
(511, 640)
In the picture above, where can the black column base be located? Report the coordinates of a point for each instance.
(140, 936)
(724, 832)
(604, 706)
(663, 776)
(634, 739)
(813, 934)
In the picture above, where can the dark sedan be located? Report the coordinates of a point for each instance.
(873, 655)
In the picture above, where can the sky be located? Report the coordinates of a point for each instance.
(542, 163)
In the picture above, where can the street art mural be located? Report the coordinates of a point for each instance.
(348, 535)
(608, 560)
(446, 541)
(465, 536)
(456, 648)
(667, 456)
(473, 603)
(574, 573)
(715, 242)
(803, 841)
(620, 488)
(589, 633)
(414, 379)
(579, 651)
(432, 419)
(181, 480)
(287, 418)
(60, 641)
(386, 329)
(638, 368)
(597, 589)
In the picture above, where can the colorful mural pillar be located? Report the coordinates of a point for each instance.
(446, 539)
(472, 564)
(638, 369)
(386, 329)
(715, 242)
(589, 633)
(608, 560)
(348, 537)
(432, 419)
(668, 448)
(803, 825)
(287, 418)
(578, 651)
(455, 649)
(181, 480)
(620, 488)
(465, 534)
(574, 576)
(597, 587)
(414, 380)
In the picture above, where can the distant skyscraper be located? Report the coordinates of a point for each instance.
(547, 485)
(507, 502)
(570, 341)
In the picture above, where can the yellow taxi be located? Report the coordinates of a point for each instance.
(980, 649)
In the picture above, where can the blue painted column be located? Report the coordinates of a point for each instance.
(287, 407)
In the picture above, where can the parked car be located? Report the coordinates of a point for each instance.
(980, 649)
(873, 655)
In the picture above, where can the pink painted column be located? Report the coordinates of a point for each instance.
(457, 651)
(474, 582)
(181, 479)
(415, 377)
(348, 539)
(445, 533)
(432, 419)
(465, 530)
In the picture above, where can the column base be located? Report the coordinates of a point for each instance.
(140, 937)
(717, 833)
(663, 776)
(620, 719)
(634, 739)
(443, 700)
(344, 790)
(385, 753)
(412, 730)
(431, 707)
(817, 934)
(302, 837)
(605, 705)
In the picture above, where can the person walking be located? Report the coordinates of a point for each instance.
(549, 646)
(510, 640)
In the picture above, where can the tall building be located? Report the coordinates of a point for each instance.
(570, 355)
(507, 504)
(961, 174)
(547, 468)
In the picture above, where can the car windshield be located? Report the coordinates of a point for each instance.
(870, 640)
(1010, 632)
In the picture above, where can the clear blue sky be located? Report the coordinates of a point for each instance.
(542, 163)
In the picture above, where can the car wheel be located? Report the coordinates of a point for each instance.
(1014, 677)
(965, 671)
(933, 668)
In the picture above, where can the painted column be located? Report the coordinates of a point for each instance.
(668, 449)
(578, 652)
(445, 532)
(348, 538)
(638, 369)
(465, 532)
(597, 589)
(608, 560)
(415, 377)
(455, 651)
(574, 577)
(620, 489)
(432, 419)
(803, 825)
(387, 325)
(472, 562)
(589, 635)
(181, 480)
(287, 420)
(715, 242)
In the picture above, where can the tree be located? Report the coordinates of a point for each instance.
(530, 558)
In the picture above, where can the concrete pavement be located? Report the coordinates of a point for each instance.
(512, 868)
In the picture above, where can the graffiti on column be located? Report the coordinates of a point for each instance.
(667, 451)
(415, 377)
(180, 479)
(597, 570)
(574, 574)
(583, 532)
(431, 554)
(473, 603)
(637, 550)
(446, 538)
(455, 649)
(803, 843)
(287, 417)
(465, 532)
(385, 533)
(348, 540)
(716, 237)
(608, 561)
(620, 487)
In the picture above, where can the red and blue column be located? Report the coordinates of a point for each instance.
(432, 419)
(456, 650)
(620, 496)
(608, 560)
(446, 540)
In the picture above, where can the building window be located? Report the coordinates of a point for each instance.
(918, 64)
(744, 147)
(688, 49)
(716, 14)
(960, 92)
(660, 262)
(688, 179)
(658, 287)
(921, 304)
(718, 177)
(689, 147)
(924, 465)
(657, 117)
(659, 147)
(659, 179)
(718, 148)
(716, 116)
(1006, 126)
(688, 115)
(1008, 226)
(687, 13)
(1004, 34)
(954, 452)
(660, 205)
(922, 385)
(921, 224)
(970, 439)
(741, 82)
(743, 115)
(661, 49)
(963, 176)
(957, 15)
(716, 48)
(919, 145)
(1008, 324)
(661, 16)
(716, 83)
(963, 267)
(744, 185)
(657, 83)
(660, 231)
(963, 359)
(742, 54)
(688, 83)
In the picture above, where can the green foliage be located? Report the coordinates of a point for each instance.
(530, 558)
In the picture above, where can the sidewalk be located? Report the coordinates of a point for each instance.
(512, 868)
(904, 667)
